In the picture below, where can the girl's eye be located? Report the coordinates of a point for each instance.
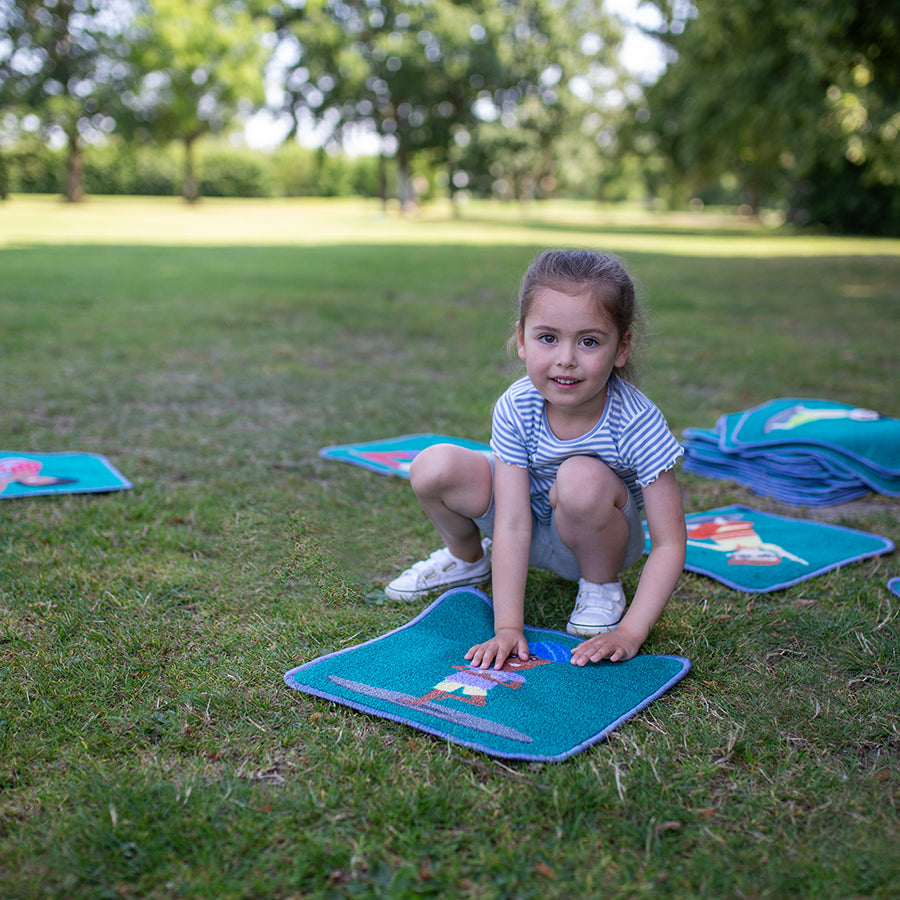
(589, 342)
(547, 338)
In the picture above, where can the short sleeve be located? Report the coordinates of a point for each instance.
(507, 438)
(649, 446)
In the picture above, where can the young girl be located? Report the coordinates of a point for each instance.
(577, 451)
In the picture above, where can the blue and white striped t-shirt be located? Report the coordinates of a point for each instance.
(632, 438)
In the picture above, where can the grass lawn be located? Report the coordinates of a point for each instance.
(148, 746)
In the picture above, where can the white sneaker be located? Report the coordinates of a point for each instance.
(441, 570)
(598, 608)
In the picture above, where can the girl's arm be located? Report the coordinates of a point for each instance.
(510, 547)
(664, 565)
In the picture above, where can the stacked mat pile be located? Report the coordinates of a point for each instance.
(802, 452)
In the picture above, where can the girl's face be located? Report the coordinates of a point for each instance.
(570, 348)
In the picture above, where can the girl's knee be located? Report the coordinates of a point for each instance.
(585, 485)
(442, 466)
(428, 465)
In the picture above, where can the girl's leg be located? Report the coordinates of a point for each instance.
(588, 498)
(454, 485)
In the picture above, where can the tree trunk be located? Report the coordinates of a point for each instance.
(754, 198)
(382, 180)
(189, 187)
(404, 180)
(75, 171)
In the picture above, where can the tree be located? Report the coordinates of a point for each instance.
(401, 68)
(61, 63)
(427, 76)
(197, 65)
(561, 89)
(790, 103)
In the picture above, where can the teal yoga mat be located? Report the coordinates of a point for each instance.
(544, 709)
(31, 474)
(755, 551)
(392, 456)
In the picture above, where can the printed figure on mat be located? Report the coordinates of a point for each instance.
(473, 682)
(578, 452)
(736, 536)
(801, 415)
(26, 472)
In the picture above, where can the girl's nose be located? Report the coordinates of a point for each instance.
(565, 355)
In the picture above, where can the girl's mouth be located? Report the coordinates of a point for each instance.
(565, 382)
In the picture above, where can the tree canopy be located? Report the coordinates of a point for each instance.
(791, 103)
(428, 76)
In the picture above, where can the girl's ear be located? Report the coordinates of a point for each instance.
(520, 340)
(624, 348)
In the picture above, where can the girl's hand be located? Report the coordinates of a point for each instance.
(616, 646)
(505, 643)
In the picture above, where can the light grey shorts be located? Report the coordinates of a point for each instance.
(549, 552)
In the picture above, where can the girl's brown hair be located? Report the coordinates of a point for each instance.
(600, 276)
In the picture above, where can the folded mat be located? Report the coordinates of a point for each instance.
(543, 709)
(755, 551)
(29, 474)
(392, 456)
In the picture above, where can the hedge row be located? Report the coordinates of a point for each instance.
(221, 171)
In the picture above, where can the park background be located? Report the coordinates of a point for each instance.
(790, 109)
(148, 745)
